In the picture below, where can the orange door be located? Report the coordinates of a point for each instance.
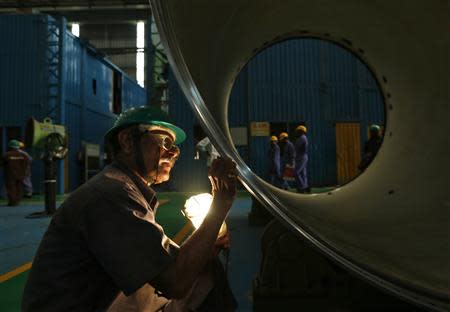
(348, 151)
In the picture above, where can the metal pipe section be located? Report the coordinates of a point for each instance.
(391, 224)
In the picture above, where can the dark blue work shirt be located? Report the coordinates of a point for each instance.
(274, 159)
(301, 147)
(289, 153)
(102, 240)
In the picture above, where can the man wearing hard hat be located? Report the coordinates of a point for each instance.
(16, 165)
(274, 163)
(26, 182)
(301, 160)
(104, 239)
(371, 147)
(287, 152)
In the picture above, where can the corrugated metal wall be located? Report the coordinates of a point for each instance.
(303, 80)
(88, 112)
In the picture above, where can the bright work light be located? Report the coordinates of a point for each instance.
(196, 208)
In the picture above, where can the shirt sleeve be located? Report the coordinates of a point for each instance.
(123, 236)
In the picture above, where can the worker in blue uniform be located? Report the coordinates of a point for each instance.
(15, 164)
(275, 163)
(301, 160)
(371, 147)
(287, 152)
(27, 184)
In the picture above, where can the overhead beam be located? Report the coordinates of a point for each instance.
(70, 3)
(76, 5)
(121, 16)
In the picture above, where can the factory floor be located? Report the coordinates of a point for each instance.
(20, 237)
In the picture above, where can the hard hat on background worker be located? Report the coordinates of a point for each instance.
(146, 115)
(14, 144)
(273, 138)
(374, 128)
(301, 128)
(283, 135)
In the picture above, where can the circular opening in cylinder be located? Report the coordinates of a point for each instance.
(307, 115)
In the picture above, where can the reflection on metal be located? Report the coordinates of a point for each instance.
(390, 225)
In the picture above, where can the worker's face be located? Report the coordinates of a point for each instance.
(374, 133)
(159, 154)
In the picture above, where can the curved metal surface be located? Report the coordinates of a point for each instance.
(391, 224)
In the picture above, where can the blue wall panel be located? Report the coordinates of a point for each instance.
(21, 62)
(133, 94)
(98, 79)
(97, 124)
(74, 65)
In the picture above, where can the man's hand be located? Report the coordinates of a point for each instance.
(179, 277)
(222, 242)
(223, 177)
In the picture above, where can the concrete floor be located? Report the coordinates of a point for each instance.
(19, 237)
(245, 253)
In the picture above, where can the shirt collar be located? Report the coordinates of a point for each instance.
(148, 193)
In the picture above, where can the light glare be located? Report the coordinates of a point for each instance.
(197, 207)
(140, 56)
(76, 29)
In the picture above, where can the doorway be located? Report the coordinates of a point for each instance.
(348, 151)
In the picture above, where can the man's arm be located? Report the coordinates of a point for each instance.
(177, 279)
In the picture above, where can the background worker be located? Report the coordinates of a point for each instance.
(371, 147)
(15, 169)
(287, 152)
(26, 182)
(275, 163)
(104, 238)
(301, 160)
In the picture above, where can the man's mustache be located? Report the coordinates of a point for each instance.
(169, 160)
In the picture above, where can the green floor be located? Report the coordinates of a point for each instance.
(11, 293)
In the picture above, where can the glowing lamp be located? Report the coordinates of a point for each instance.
(196, 208)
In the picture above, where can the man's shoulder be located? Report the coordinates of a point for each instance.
(111, 180)
(14, 155)
(109, 190)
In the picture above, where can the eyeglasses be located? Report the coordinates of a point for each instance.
(165, 142)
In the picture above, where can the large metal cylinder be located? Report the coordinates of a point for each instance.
(391, 224)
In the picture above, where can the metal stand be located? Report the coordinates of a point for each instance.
(50, 189)
(50, 186)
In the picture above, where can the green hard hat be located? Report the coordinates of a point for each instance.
(14, 144)
(146, 115)
(375, 128)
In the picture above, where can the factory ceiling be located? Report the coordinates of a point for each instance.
(83, 11)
